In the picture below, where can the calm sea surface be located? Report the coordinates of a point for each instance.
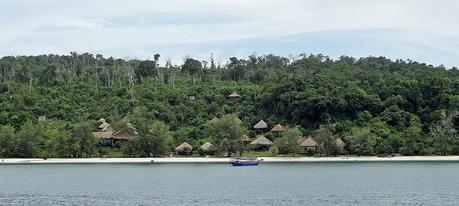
(220, 184)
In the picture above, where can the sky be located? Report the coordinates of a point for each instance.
(420, 30)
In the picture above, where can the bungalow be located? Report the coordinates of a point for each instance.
(206, 149)
(307, 145)
(261, 143)
(246, 139)
(261, 126)
(278, 129)
(184, 149)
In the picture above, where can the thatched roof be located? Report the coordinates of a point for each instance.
(123, 135)
(340, 142)
(277, 128)
(101, 120)
(246, 138)
(261, 125)
(104, 125)
(308, 142)
(261, 140)
(107, 129)
(234, 95)
(206, 146)
(184, 146)
(103, 135)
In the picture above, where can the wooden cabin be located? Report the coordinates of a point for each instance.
(184, 149)
(261, 126)
(307, 145)
(235, 96)
(261, 143)
(278, 129)
(341, 145)
(206, 149)
(246, 139)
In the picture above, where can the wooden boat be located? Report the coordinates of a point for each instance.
(245, 161)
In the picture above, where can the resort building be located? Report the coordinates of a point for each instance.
(278, 129)
(184, 149)
(235, 96)
(261, 143)
(307, 145)
(206, 149)
(261, 127)
(246, 139)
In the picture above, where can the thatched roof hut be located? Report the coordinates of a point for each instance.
(184, 148)
(123, 135)
(246, 139)
(234, 95)
(262, 140)
(308, 142)
(278, 129)
(103, 135)
(341, 145)
(261, 125)
(104, 125)
(206, 146)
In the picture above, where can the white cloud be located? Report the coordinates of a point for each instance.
(140, 28)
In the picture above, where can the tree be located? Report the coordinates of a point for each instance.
(29, 142)
(445, 133)
(288, 143)
(326, 140)
(7, 139)
(363, 141)
(192, 67)
(82, 141)
(153, 140)
(227, 134)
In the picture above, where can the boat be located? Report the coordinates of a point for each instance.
(245, 161)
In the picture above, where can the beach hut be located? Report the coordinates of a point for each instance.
(261, 143)
(234, 96)
(123, 135)
(183, 149)
(104, 125)
(106, 137)
(261, 126)
(341, 145)
(246, 139)
(278, 129)
(307, 145)
(206, 149)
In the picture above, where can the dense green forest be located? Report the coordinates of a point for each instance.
(376, 105)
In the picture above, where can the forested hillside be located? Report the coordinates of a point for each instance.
(377, 106)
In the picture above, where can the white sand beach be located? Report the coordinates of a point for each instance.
(222, 160)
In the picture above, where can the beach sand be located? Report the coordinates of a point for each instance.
(223, 160)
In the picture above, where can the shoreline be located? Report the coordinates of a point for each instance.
(226, 160)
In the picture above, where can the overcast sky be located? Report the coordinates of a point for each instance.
(420, 30)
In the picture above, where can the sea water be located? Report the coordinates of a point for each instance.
(379, 183)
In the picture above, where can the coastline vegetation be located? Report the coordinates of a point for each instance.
(49, 105)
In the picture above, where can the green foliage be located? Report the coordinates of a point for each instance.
(377, 105)
(227, 134)
(153, 140)
(326, 140)
(288, 143)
